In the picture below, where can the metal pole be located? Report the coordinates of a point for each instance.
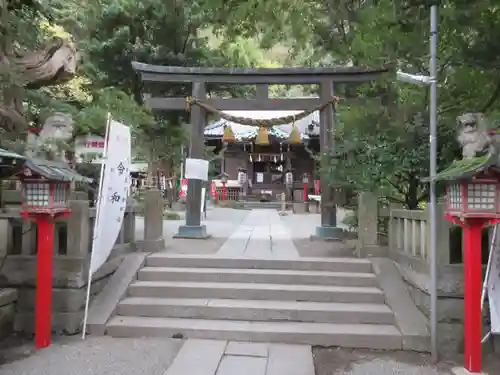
(433, 172)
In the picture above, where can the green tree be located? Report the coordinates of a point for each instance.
(386, 149)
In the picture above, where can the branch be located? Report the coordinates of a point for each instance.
(396, 200)
(395, 186)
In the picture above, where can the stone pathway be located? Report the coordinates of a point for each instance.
(255, 234)
(208, 357)
(262, 234)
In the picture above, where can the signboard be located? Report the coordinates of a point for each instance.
(196, 169)
(90, 149)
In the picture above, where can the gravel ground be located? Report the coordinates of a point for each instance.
(94, 355)
(188, 246)
(308, 248)
(338, 361)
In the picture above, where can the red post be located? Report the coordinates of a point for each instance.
(306, 196)
(472, 295)
(224, 192)
(43, 323)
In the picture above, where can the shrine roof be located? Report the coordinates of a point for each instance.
(11, 155)
(10, 163)
(467, 168)
(242, 132)
(55, 171)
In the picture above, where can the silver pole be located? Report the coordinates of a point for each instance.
(433, 172)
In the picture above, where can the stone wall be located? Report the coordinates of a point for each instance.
(408, 246)
(8, 299)
(73, 238)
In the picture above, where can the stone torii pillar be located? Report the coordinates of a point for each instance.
(328, 228)
(193, 227)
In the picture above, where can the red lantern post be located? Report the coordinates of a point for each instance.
(305, 181)
(473, 202)
(223, 179)
(45, 198)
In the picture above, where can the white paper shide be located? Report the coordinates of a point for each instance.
(113, 193)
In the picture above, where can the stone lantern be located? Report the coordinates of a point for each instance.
(45, 198)
(473, 202)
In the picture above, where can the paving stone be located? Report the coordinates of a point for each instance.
(290, 360)
(249, 349)
(232, 365)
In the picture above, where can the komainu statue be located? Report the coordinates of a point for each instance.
(473, 135)
(54, 64)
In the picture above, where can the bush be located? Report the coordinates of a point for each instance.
(351, 221)
(169, 215)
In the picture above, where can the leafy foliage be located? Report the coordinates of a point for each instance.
(379, 146)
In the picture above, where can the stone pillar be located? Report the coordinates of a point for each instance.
(153, 222)
(368, 226)
(193, 227)
(128, 226)
(328, 228)
(79, 229)
(443, 227)
(367, 219)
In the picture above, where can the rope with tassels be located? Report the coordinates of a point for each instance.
(263, 123)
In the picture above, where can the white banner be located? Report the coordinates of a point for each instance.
(114, 190)
(494, 289)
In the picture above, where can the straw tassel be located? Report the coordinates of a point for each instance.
(189, 101)
(294, 137)
(228, 134)
(262, 136)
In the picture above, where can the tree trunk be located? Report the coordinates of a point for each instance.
(411, 197)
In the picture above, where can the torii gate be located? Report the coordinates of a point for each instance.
(198, 78)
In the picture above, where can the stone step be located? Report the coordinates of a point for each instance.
(252, 310)
(325, 334)
(258, 291)
(304, 264)
(257, 276)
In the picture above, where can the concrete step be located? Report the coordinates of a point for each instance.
(281, 292)
(304, 264)
(325, 334)
(252, 310)
(257, 276)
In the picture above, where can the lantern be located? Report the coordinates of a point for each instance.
(289, 178)
(45, 198)
(473, 202)
(41, 196)
(305, 181)
(477, 197)
(223, 180)
(242, 175)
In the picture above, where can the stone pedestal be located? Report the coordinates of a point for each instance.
(367, 244)
(196, 232)
(153, 222)
(328, 233)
